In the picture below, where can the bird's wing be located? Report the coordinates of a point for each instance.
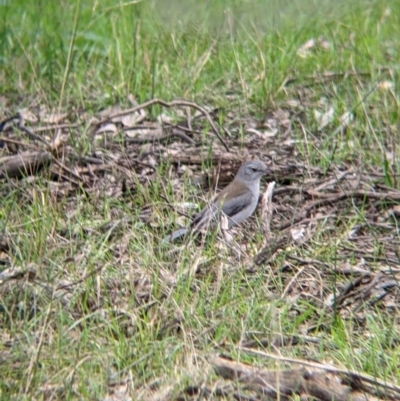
(235, 205)
(230, 205)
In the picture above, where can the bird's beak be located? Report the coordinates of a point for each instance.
(267, 170)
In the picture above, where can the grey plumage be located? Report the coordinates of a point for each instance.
(237, 201)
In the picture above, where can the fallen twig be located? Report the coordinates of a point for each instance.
(266, 210)
(174, 103)
(351, 374)
(279, 384)
(31, 134)
(160, 138)
(23, 164)
(337, 196)
(56, 127)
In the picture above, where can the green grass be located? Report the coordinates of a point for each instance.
(144, 315)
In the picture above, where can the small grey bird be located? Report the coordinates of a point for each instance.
(238, 201)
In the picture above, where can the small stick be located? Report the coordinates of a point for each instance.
(266, 210)
(174, 103)
(21, 126)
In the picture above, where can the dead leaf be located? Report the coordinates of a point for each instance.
(385, 85)
(107, 128)
(54, 118)
(393, 211)
(133, 119)
(346, 118)
(27, 115)
(165, 118)
(324, 118)
(109, 111)
(304, 50)
(264, 134)
(298, 233)
(323, 43)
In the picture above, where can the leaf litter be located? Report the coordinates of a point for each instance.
(348, 211)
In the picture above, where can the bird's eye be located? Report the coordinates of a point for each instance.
(254, 170)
